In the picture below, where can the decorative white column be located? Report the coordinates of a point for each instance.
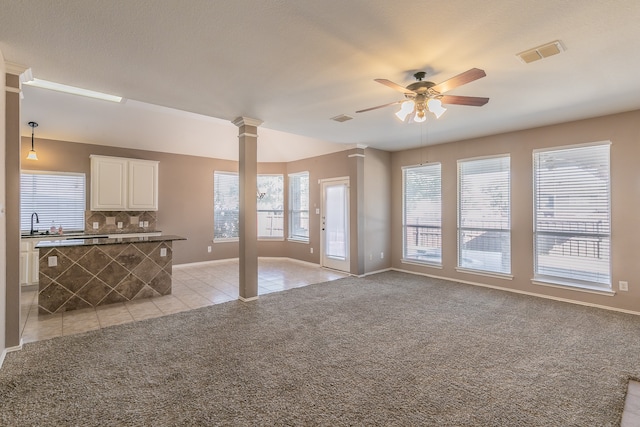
(248, 174)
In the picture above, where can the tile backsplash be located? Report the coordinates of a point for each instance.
(119, 222)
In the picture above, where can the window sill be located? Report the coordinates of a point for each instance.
(421, 264)
(485, 273)
(270, 239)
(290, 239)
(230, 240)
(573, 287)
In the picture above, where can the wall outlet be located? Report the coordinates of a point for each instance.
(163, 251)
(141, 224)
(52, 261)
(96, 225)
(311, 250)
(623, 286)
(209, 249)
(146, 224)
(120, 224)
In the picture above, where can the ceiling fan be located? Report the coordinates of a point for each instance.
(423, 95)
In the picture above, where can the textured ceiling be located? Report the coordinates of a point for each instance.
(295, 63)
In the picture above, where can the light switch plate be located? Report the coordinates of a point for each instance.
(96, 225)
(120, 224)
(52, 261)
(141, 224)
(146, 224)
(163, 251)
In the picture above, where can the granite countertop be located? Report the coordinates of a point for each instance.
(75, 235)
(84, 241)
(43, 235)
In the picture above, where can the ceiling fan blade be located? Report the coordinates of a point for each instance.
(474, 101)
(381, 106)
(394, 86)
(459, 80)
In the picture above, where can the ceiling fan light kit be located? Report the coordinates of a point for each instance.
(425, 96)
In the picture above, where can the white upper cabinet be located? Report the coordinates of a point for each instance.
(118, 183)
(143, 185)
(108, 183)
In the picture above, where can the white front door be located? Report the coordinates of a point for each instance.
(335, 224)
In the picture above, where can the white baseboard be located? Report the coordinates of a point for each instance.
(517, 291)
(9, 350)
(247, 299)
(217, 261)
(376, 272)
(197, 263)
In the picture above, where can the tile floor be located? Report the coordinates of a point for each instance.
(202, 285)
(631, 413)
(194, 286)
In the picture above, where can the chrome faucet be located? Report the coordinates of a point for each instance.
(37, 222)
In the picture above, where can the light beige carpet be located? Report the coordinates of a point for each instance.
(390, 349)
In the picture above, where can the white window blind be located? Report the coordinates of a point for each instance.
(572, 215)
(226, 205)
(57, 198)
(299, 206)
(484, 220)
(422, 220)
(270, 206)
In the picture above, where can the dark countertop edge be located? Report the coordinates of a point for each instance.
(78, 234)
(106, 241)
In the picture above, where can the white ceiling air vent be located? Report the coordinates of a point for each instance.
(341, 118)
(549, 49)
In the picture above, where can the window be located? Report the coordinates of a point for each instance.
(484, 235)
(572, 215)
(226, 205)
(270, 206)
(299, 206)
(57, 198)
(422, 213)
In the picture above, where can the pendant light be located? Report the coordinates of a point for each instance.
(32, 153)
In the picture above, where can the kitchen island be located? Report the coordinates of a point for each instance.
(89, 272)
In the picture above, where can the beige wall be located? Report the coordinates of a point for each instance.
(186, 194)
(377, 210)
(333, 165)
(185, 190)
(186, 200)
(623, 130)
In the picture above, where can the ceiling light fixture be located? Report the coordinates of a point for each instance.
(32, 153)
(44, 84)
(419, 107)
(435, 106)
(406, 108)
(423, 95)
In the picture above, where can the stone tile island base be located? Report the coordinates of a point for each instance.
(92, 272)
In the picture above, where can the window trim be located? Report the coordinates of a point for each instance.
(60, 173)
(290, 237)
(271, 238)
(223, 239)
(557, 281)
(404, 258)
(458, 267)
